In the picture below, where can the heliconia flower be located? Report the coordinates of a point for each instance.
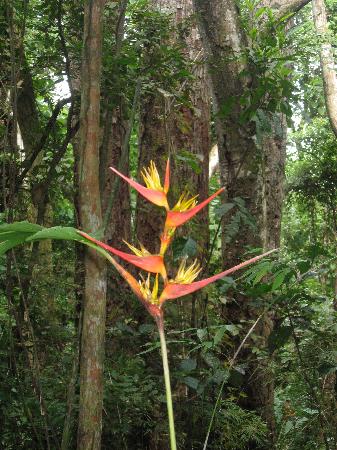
(139, 252)
(185, 209)
(141, 289)
(142, 259)
(183, 283)
(154, 191)
(185, 202)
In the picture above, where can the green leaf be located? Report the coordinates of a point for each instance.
(219, 335)
(233, 329)
(221, 210)
(20, 227)
(65, 233)
(201, 333)
(288, 427)
(279, 278)
(187, 365)
(11, 243)
(326, 368)
(264, 268)
(191, 382)
(14, 234)
(211, 360)
(190, 248)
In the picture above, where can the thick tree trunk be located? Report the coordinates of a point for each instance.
(182, 132)
(152, 146)
(179, 132)
(327, 61)
(250, 171)
(93, 328)
(190, 128)
(28, 117)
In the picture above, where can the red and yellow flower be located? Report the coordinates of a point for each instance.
(184, 282)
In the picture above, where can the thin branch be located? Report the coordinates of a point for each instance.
(71, 132)
(287, 7)
(28, 162)
(119, 33)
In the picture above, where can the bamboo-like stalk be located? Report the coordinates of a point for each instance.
(160, 325)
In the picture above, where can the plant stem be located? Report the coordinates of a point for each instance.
(160, 325)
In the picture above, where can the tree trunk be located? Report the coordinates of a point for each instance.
(183, 132)
(93, 328)
(254, 172)
(118, 228)
(180, 130)
(152, 146)
(327, 61)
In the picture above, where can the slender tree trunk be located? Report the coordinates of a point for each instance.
(93, 328)
(327, 61)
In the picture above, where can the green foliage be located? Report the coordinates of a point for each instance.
(240, 429)
(271, 89)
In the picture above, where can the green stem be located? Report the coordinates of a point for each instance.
(160, 324)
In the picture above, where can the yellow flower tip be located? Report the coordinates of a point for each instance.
(145, 287)
(155, 288)
(189, 274)
(185, 203)
(144, 251)
(138, 252)
(151, 177)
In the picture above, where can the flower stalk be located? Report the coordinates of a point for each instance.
(160, 325)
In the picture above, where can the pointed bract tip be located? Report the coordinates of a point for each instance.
(156, 197)
(149, 263)
(167, 177)
(177, 218)
(175, 290)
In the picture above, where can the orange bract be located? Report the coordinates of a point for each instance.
(154, 192)
(174, 290)
(175, 217)
(150, 263)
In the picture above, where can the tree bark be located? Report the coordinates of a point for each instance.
(250, 170)
(28, 117)
(283, 8)
(327, 61)
(93, 328)
(118, 228)
(167, 129)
